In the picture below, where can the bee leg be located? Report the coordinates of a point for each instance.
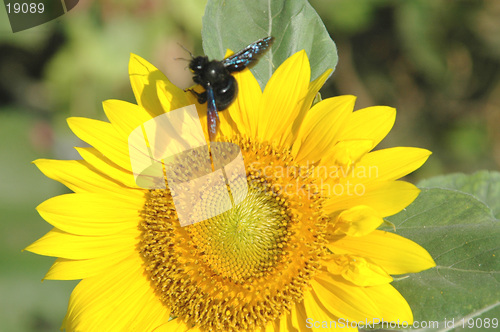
(202, 97)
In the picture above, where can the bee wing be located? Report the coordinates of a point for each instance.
(245, 57)
(212, 115)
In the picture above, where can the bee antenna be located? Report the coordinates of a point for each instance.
(185, 49)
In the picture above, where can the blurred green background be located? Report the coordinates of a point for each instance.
(436, 61)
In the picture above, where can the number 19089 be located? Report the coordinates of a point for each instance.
(485, 323)
(25, 8)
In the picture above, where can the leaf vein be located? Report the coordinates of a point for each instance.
(464, 270)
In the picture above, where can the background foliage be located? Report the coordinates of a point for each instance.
(455, 218)
(437, 62)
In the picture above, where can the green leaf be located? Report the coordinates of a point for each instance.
(484, 185)
(295, 25)
(454, 218)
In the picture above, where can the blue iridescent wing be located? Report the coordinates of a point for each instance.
(212, 115)
(246, 56)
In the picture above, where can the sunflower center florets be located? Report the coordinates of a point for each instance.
(245, 267)
(246, 241)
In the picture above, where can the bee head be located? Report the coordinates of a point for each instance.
(198, 63)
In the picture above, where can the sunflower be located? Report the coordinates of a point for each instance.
(299, 251)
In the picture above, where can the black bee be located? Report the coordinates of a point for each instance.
(215, 77)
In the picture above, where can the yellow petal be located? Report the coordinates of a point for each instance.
(105, 166)
(358, 270)
(71, 269)
(391, 304)
(387, 198)
(92, 213)
(125, 116)
(104, 137)
(366, 304)
(143, 78)
(314, 87)
(175, 325)
(390, 164)
(317, 321)
(344, 299)
(394, 253)
(372, 123)
(270, 327)
(283, 323)
(344, 154)
(201, 109)
(298, 317)
(357, 221)
(283, 97)
(319, 131)
(57, 243)
(77, 175)
(120, 299)
(317, 314)
(171, 97)
(227, 126)
(244, 109)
